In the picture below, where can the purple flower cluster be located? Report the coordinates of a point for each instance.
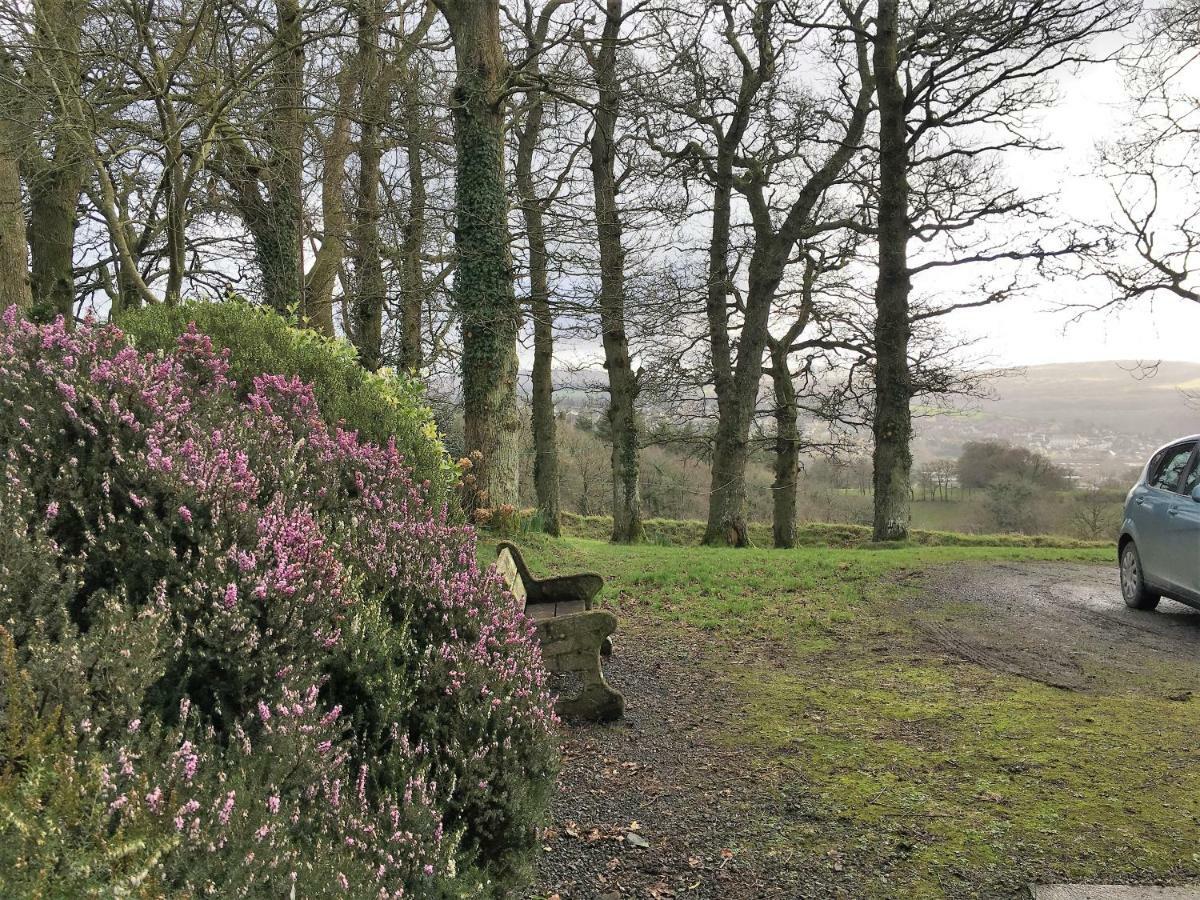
(329, 673)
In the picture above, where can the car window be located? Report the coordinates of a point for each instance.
(1170, 467)
(1193, 479)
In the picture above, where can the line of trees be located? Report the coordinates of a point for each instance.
(737, 203)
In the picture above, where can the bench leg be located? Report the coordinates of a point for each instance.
(571, 645)
(597, 702)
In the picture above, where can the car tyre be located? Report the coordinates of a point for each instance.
(1133, 581)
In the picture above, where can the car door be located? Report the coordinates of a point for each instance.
(1183, 535)
(1151, 502)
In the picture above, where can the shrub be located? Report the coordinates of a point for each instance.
(243, 649)
(380, 406)
(1012, 504)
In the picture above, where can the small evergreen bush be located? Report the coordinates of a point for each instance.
(240, 649)
(378, 405)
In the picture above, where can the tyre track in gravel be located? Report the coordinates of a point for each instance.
(1061, 624)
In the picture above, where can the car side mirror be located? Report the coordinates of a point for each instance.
(1196, 493)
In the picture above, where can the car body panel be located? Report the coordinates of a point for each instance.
(1182, 542)
(1165, 526)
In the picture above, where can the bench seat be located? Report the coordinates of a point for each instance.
(572, 634)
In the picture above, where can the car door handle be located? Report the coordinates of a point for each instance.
(1173, 511)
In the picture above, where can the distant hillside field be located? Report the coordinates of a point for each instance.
(1100, 418)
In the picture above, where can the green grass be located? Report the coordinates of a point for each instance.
(922, 775)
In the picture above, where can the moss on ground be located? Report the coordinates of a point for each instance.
(906, 772)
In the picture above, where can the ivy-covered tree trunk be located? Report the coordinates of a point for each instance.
(278, 239)
(893, 383)
(267, 191)
(372, 290)
(787, 450)
(483, 286)
(54, 200)
(622, 382)
(545, 439)
(717, 530)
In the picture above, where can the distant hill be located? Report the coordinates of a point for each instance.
(1099, 418)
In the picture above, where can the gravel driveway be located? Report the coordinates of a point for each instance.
(1061, 624)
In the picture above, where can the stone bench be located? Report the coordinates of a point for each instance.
(572, 634)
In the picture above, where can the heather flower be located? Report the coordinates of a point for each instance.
(312, 634)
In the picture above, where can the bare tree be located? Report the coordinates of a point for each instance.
(528, 126)
(738, 64)
(1154, 167)
(954, 83)
(622, 381)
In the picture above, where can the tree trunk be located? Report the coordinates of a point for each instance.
(277, 241)
(412, 282)
(787, 450)
(15, 288)
(622, 382)
(717, 532)
(893, 390)
(545, 440)
(731, 452)
(483, 288)
(54, 198)
(372, 289)
(321, 278)
(55, 172)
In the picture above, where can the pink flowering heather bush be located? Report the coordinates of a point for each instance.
(243, 649)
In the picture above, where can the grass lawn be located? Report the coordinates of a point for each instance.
(923, 774)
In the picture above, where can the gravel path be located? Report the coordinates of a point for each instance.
(652, 807)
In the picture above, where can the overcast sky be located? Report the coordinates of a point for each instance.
(1027, 331)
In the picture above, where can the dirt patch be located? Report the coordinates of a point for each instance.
(1064, 625)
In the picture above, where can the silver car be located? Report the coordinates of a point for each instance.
(1159, 547)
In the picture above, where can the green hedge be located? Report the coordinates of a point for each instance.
(378, 405)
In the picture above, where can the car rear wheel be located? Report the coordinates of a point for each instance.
(1133, 581)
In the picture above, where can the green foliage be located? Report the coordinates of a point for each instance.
(1011, 503)
(378, 405)
(59, 840)
(984, 462)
